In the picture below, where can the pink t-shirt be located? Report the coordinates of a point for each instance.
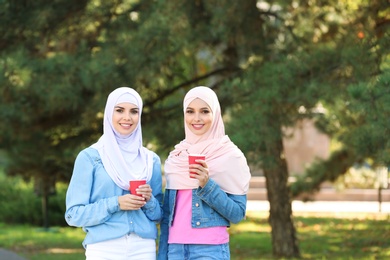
(181, 231)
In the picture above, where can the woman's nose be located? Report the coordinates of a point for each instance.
(197, 117)
(126, 117)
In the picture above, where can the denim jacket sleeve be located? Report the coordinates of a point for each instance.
(164, 226)
(231, 207)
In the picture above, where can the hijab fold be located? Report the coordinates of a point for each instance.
(227, 164)
(124, 156)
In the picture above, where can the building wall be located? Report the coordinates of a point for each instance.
(303, 144)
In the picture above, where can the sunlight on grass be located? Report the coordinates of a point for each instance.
(249, 226)
(320, 236)
(32, 239)
(326, 236)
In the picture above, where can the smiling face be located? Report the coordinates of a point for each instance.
(198, 117)
(125, 118)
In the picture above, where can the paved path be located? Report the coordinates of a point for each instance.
(7, 255)
(326, 206)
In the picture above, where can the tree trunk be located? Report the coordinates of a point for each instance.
(284, 241)
(45, 211)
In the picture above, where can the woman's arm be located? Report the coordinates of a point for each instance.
(231, 207)
(153, 208)
(80, 211)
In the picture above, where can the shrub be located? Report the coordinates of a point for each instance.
(20, 205)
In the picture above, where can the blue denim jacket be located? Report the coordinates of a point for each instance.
(211, 207)
(92, 202)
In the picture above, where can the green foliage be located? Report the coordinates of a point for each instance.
(362, 127)
(271, 63)
(20, 205)
(321, 171)
(371, 105)
(17, 203)
(271, 58)
(359, 176)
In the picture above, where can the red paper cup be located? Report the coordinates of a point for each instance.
(193, 157)
(134, 184)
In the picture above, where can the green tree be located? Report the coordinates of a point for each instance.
(337, 55)
(52, 85)
(271, 64)
(358, 118)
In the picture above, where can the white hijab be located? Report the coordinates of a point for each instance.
(124, 157)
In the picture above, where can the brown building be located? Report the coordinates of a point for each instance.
(303, 145)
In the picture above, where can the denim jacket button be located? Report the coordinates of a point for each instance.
(198, 223)
(197, 205)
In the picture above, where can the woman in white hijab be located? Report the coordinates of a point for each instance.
(118, 225)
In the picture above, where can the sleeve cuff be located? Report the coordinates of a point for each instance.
(113, 205)
(207, 189)
(151, 204)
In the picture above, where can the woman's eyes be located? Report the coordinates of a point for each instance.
(202, 111)
(132, 111)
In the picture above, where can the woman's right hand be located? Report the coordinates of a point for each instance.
(131, 202)
(200, 171)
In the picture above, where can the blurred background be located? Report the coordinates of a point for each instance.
(304, 88)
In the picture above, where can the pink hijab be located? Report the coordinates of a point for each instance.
(124, 157)
(227, 164)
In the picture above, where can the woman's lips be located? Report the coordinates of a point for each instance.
(197, 126)
(126, 125)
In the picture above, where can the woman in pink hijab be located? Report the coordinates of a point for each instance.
(202, 199)
(118, 224)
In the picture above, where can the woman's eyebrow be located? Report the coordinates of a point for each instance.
(202, 108)
(130, 108)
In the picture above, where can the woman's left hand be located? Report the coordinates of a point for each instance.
(146, 191)
(200, 171)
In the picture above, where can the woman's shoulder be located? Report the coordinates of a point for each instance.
(154, 155)
(90, 153)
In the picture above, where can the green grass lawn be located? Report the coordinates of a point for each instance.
(321, 236)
